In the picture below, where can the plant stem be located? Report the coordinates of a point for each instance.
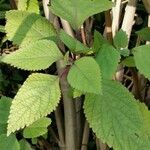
(128, 20)
(85, 136)
(136, 86)
(13, 4)
(108, 22)
(60, 128)
(116, 17)
(147, 5)
(69, 110)
(83, 35)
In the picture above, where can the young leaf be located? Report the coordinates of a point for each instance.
(76, 12)
(74, 45)
(39, 96)
(9, 143)
(124, 52)
(37, 129)
(24, 27)
(98, 41)
(115, 118)
(5, 104)
(142, 59)
(144, 33)
(77, 93)
(85, 75)
(36, 56)
(129, 62)
(108, 59)
(24, 145)
(121, 39)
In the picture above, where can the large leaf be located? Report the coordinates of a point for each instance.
(5, 104)
(36, 56)
(39, 96)
(142, 59)
(37, 129)
(74, 45)
(3, 128)
(23, 27)
(108, 59)
(8, 143)
(85, 75)
(29, 5)
(146, 117)
(144, 33)
(77, 11)
(115, 118)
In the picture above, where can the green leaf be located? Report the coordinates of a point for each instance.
(22, 5)
(115, 118)
(2, 29)
(129, 62)
(74, 45)
(142, 59)
(23, 27)
(3, 128)
(8, 143)
(29, 5)
(85, 75)
(98, 41)
(108, 59)
(34, 141)
(36, 56)
(24, 145)
(2, 14)
(144, 33)
(39, 96)
(146, 117)
(5, 104)
(77, 93)
(37, 129)
(121, 39)
(76, 12)
(124, 52)
(33, 6)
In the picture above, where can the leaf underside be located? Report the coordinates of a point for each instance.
(23, 27)
(36, 56)
(29, 5)
(37, 129)
(39, 96)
